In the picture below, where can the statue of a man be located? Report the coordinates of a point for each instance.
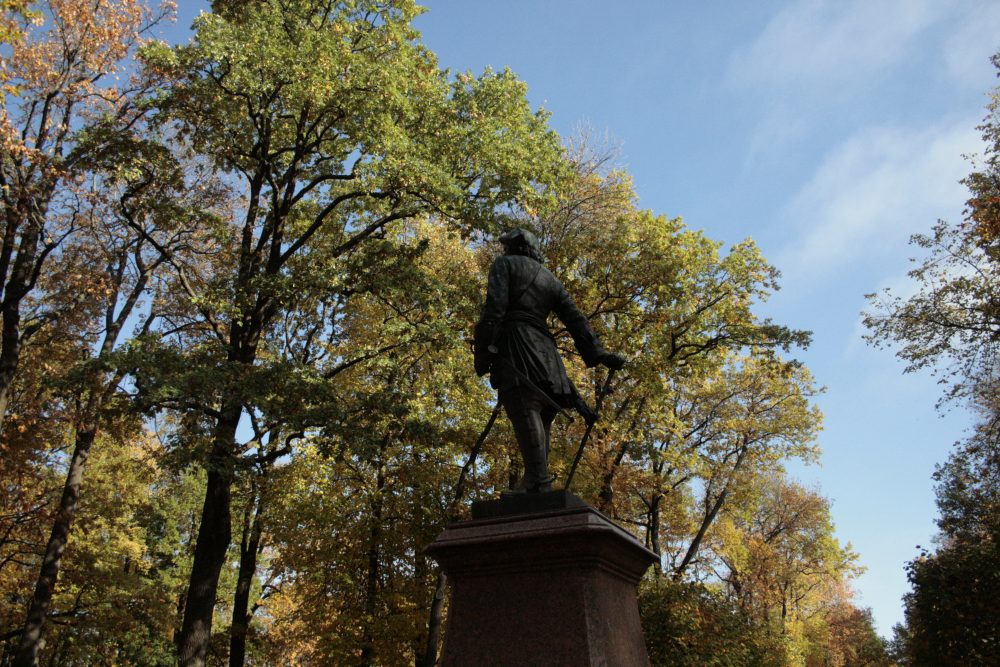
(514, 345)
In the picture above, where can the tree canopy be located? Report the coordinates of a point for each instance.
(950, 325)
(236, 389)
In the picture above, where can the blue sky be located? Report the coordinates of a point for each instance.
(828, 131)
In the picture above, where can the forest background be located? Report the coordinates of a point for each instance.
(240, 276)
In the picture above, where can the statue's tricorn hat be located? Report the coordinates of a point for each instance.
(521, 239)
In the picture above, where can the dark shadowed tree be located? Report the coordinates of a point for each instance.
(334, 123)
(952, 326)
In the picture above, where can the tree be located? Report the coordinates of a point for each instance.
(741, 425)
(60, 115)
(336, 123)
(951, 325)
(952, 610)
(58, 86)
(381, 475)
(779, 561)
(139, 191)
(785, 565)
(688, 625)
(983, 212)
(116, 599)
(708, 400)
(297, 218)
(847, 637)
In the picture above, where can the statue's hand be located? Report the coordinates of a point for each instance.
(611, 360)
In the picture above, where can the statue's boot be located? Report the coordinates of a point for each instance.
(536, 467)
(524, 487)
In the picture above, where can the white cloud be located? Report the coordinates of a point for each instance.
(818, 62)
(872, 192)
(831, 43)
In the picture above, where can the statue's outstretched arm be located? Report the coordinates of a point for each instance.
(587, 342)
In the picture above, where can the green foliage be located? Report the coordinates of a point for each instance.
(951, 325)
(344, 100)
(377, 482)
(316, 197)
(340, 126)
(688, 625)
(336, 127)
(951, 613)
(126, 563)
(984, 204)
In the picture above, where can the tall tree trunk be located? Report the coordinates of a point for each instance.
(784, 611)
(175, 630)
(88, 421)
(607, 493)
(374, 560)
(709, 518)
(27, 654)
(215, 531)
(654, 531)
(429, 658)
(249, 549)
(18, 284)
(214, 535)
(10, 354)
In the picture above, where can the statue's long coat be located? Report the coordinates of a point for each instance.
(520, 295)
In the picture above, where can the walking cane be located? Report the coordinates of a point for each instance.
(601, 393)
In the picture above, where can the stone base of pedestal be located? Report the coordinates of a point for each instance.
(549, 587)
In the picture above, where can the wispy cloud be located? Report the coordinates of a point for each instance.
(817, 64)
(819, 67)
(833, 43)
(872, 192)
(974, 37)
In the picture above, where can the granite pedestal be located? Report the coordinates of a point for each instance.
(543, 580)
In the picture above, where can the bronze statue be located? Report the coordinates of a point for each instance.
(514, 345)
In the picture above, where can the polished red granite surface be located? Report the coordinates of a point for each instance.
(554, 587)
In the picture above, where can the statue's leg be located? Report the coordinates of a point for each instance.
(525, 411)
